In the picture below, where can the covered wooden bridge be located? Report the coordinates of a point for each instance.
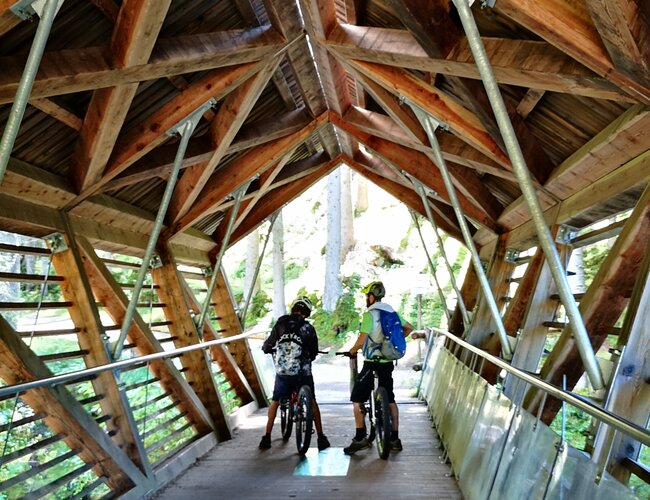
(167, 130)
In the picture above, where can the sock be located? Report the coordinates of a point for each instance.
(360, 434)
(394, 435)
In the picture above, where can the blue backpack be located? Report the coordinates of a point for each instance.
(393, 345)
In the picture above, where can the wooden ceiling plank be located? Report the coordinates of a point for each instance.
(8, 19)
(524, 63)
(69, 71)
(223, 129)
(529, 101)
(134, 36)
(233, 175)
(568, 26)
(266, 180)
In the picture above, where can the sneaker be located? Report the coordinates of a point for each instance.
(396, 445)
(323, 443)
(265, 443)
(356, 446)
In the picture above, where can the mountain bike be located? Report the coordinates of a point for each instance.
(376, 408)
(298, 410)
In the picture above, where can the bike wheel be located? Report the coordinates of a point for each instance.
(304, 419)
(383, 422)
(286, 422)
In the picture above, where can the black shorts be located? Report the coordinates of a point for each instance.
(284, 385)
(366, 381)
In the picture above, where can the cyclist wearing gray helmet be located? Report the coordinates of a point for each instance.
(295, 343)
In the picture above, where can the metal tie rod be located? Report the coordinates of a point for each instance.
(429, 127)
(185, 128)
(46, 13)
(528, 190)
(239, 195)
(433, 268)
(461, 304)
(242, 317)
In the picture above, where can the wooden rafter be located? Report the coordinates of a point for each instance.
(135, 33)
(70, 71)
(223, 129)
(569, 27)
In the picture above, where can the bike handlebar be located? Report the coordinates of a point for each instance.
(346, 354)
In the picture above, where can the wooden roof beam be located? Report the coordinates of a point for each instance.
(134, 35)
(230, 177)
(569, 27)
(279, 197)
(223, 128)
(524, 63)
(152, 132)
(76, 70)
(363, 164)
(419, 166)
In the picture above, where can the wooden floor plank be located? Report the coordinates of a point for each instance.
(238, 469)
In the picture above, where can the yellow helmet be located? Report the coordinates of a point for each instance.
(376, 288)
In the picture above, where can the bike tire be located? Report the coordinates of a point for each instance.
(286, 422)
(304, 419)
(383, 422)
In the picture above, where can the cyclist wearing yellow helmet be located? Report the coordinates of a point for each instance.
(371, 328)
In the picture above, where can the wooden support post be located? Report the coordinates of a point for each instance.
(109, 292)
(221, 355)
(630, 391)
(198, 373)
(469, 294)
(85, 316)
(498, 273)
(230, 324)
(601, 305)
(64, 414)
(537, 286)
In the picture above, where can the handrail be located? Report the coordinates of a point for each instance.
(67, 377)
(630, 428)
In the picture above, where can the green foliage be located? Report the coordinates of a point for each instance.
(293, 269)
(315, 206)
(592, 258)
(404, 242)
(258, 307)
(385, 258)
(432, 310)
(576, 427)
(334, 327)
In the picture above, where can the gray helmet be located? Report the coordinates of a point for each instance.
(303, 305)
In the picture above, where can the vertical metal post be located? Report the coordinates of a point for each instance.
(429, 128)
(452, 278)
(185, 129)
(239, 194)
(528, 190)
(432, 266)
(242, 317)
(26, 82)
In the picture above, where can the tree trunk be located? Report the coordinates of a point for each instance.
(333, 287)
(347, 227)
(252, 255)
(362, 194)
(279, 301)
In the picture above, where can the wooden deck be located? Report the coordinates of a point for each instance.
(238, 469)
